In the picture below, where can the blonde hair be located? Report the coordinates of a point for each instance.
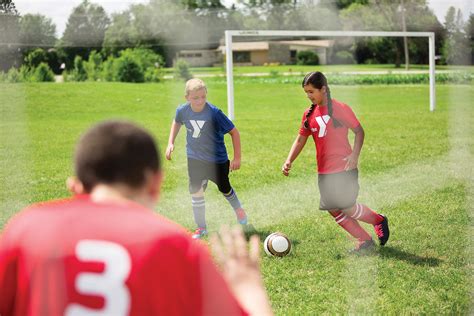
(194, 85)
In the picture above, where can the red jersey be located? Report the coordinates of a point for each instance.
(332, 144)
(75, 256)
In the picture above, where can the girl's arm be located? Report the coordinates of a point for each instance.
(235, 135)
(295, 150)
(173, 133)
(353, 159)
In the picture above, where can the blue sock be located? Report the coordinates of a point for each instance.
(199, 210)
(233, 199)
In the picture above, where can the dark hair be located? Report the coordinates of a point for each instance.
(115, 152)
(318, 80)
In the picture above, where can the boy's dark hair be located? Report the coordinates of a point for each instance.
(115, 152)
(318, 80)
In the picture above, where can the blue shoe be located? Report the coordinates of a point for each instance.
(199, 233)
(241, 216)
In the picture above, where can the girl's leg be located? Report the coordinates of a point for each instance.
(350, 225)
(363, 213)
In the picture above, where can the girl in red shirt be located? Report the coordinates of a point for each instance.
(328, 121)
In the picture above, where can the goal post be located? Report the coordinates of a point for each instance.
(229, 58)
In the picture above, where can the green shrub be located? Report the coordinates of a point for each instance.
(35, 57)
(181, 70)
(128, 70)
(3, 76)
(93, 66)
(153, 74)
(43, 73)
(79, 73)
(344, 57)
(107, 72)
(307, 57)
(13, 75)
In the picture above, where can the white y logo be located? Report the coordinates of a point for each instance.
(197, 126)
(322, 122)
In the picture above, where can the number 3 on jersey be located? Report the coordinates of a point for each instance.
(109, 284)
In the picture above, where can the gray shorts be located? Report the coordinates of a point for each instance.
(338, 190)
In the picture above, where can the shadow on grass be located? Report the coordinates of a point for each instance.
(251, 230)
(390, 252)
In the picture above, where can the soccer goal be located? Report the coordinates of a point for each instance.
(229, 58)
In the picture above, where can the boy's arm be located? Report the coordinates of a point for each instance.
(235, 163)
(175, 126)
(295, 150)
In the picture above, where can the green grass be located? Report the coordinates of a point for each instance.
(301, 69)
(416, 167)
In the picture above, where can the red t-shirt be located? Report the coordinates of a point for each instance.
(332, 144)
(74, 255)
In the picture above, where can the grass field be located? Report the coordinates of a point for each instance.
(416, 167)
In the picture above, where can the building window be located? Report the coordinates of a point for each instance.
(241, 57)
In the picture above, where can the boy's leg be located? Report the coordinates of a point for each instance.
(223, 183)
(196, 188)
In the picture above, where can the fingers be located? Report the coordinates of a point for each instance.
(218, 250)
(255, 249)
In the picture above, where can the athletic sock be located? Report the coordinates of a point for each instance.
(351, 226)
(199, 210)
(232, 198)
(365, 214)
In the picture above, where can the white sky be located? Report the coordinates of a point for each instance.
(59, 10)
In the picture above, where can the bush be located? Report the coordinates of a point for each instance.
(153, 74)
(13, 75)
(79, 73)
(43, 73)
(35, 57)
(128, 70)
(181, 70)
(307, 57)
(93, 65)
(344, 57)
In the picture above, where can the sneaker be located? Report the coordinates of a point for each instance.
(199, 233)
(364, 246)
(382, 230)
(241, 216)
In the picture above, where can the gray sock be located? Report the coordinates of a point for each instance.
(233, 199)
(199, 210)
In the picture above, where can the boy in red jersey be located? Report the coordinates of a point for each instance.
(328, 122)
(107, 253)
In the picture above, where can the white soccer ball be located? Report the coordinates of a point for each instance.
(277, 244)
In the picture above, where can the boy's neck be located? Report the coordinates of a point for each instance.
(196, 108)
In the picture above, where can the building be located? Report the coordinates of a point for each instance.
(258, 53)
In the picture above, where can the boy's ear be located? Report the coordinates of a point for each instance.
(155, 179)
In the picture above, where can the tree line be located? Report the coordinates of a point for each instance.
(164, 27)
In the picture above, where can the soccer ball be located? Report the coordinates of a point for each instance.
(277, 244)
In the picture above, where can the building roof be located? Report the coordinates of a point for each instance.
(310, 43)
(264, 45)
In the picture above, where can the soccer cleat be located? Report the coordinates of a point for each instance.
(382, 231)
(199, 233)
(363, 247)
(241, 216)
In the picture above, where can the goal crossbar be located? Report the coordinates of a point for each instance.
(229, 58)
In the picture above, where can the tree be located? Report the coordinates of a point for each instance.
(85, 30)
(9, 35)
(470, 34)
(37, 30)
(386, 15)
(456, 48)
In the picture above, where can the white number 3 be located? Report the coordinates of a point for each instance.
(110, 284)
